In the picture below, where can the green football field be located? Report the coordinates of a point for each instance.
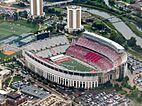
(75, 65)
(7, 29)
(16, 28)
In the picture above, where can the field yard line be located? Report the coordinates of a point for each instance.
(82, 62)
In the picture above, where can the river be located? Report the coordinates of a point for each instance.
(120, 26)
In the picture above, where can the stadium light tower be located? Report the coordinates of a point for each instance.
(36, 8)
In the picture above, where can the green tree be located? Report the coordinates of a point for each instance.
(15, 15)
(131, 42)
(23, 14)
(50, 28)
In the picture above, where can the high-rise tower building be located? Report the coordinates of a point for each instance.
(36, 7)
(73, 18)
(0, 83)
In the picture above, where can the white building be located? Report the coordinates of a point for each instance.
(36, 7)
(73, 18)
(4, 73)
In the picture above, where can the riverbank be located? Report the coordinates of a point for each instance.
(119, 27)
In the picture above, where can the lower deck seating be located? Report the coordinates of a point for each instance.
(93, 45)
(89, 57)
(52, 51)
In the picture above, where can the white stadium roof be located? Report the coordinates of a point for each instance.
(118, 46)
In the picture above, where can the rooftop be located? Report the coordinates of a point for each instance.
(34, 91)
(118, 46)
(13, 95)
(73, 7)
(28, 39)
(25, 35)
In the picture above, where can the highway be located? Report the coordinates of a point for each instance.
(57, 3)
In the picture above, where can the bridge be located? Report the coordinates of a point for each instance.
(57, 3)
(118, 20)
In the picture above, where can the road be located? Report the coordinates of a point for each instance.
(47, 87)
(52, 90)
(120, 26)
(13, 8)
(57, 3)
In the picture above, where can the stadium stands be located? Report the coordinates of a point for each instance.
(49, 47)
(7, 47)
(89, 57)
(84, 63)
(85, 49)
(47, 43)
(53, 51)
(100, 48)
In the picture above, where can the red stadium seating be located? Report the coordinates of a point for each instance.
(89, 57)
(100, 48)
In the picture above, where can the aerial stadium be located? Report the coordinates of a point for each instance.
(86, 62)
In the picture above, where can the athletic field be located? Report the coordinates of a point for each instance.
(75, 65)
(3, 55)
(15, 28)
(7, 29)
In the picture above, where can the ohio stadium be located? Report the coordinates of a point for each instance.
(88, 61)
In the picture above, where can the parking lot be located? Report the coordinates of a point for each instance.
(134, 64)
(101, 99)
(31, 91)
(138, 80)
(96, 97)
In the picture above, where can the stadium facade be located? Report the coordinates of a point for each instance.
(87, 62)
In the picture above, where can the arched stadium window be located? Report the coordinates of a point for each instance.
(52, 77)
(92, 84)
(83, 84)
(110, 77)
(77, 83)
(74, 83)
(96, 84)
(100, 80)
(59, 80)
(66, 81)
(80, 84)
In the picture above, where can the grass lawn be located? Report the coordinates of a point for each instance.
(134, 29)
(135, 54)
(15, 28)
(75, 65)
(15, 79)
(17, 6)
(137, 104)
(59, 9)
(2, 55)
(88, 27)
